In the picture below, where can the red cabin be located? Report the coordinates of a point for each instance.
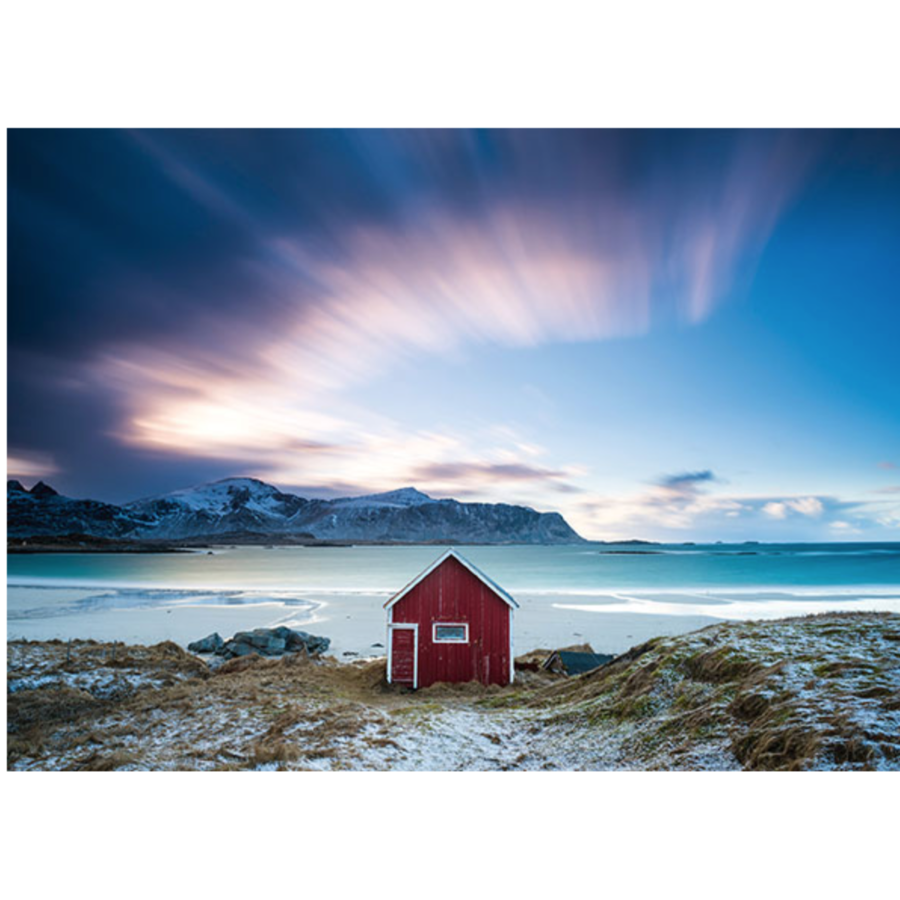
(451, 623)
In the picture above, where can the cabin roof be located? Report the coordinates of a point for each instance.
(503, 595)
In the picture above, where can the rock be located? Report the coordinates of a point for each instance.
(210, 644)
(43, 490)
(267, 641)
(378, 645)
(272, 642)
(234, 648)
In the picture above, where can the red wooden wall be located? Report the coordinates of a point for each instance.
(451, 593)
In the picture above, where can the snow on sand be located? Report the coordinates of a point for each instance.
(814, 692)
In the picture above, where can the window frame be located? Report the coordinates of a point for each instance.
(436, 640)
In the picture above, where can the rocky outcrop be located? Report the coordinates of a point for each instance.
(42, 511)
(269, 642)
(43, 491)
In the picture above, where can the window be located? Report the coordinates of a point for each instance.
(450, 634)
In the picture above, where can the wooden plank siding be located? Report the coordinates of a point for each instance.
(451, 594)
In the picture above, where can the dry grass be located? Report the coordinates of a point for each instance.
(720, 665)
(162, 707)
(786, 749)
(818, 692)
(759, 694)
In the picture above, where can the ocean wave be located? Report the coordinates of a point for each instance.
(118, 599)
(762, 591)
(93, 584)
(741, 609)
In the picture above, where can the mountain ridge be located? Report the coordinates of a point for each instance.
(234, 505)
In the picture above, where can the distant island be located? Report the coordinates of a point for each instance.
(249, 511)
(635, 541)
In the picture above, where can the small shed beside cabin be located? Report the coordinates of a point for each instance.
(452, 624)
(572, 662)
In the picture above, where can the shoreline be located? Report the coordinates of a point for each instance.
(354, 620)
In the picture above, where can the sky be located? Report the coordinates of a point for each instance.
(670, 335)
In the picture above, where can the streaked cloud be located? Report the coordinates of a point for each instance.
(494, 477)
(34, 464)
(570, 254)
(238, 302)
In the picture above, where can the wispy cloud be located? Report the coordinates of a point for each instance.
(839, 526)
(241, 310)
(515, 266)
(481, 476)
(686, 482)
(804, 506)
(30, 464)
(889, 519)
(684, 503)
(673, 502)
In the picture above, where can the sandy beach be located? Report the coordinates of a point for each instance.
(355, 622)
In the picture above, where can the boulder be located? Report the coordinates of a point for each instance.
(234, 648)
(210, 644)
(301, 640)
(272, 642)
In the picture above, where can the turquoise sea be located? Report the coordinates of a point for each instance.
(609, 594)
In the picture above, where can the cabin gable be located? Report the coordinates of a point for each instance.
(462, 625)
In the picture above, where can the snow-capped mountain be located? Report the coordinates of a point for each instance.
(233, 504)
(249, 505)
(403, 497)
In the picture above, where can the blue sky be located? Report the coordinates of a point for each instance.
(670, 335)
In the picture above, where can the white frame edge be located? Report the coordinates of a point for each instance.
(512, 654)
(398, 626)
(436, 625)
